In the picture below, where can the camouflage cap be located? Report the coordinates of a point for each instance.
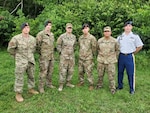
(85, 25)
(128, 22)
(69, 25)
(107, 28)
(23, 25)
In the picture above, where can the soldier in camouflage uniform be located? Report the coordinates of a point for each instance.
(22, 47)
(108, 49)
(45, 48)
(65, 46)
(87, 49)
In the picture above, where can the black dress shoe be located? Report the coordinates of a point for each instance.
(132, 92)
(118, 88)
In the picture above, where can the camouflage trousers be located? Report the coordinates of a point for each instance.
(20, 69)
(66, 68)
(86, 66)
(46, 70)
(110, 68)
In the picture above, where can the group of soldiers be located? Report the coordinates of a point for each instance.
(23, 46)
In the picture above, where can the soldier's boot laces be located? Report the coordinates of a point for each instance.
(60, 87)
(19, 97)
(32, 91)
(70, 85)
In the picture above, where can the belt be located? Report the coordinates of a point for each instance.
(125, 54)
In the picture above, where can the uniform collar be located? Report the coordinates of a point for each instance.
(46, 32)
(83, 36)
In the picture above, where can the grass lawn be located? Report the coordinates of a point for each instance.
(75, 100)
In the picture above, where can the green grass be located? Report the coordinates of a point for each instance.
(76, 100)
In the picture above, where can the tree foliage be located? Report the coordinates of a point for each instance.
(98, 13)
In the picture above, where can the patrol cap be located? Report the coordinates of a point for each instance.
(69, 25)
(107, 28)
(128, 22)
(47, 22)
(85, 25)
(23, 25)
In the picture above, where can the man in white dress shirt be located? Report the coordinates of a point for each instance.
(130, 44)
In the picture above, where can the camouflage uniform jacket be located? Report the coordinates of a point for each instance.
(22, 48)
(108, 50)
(87, 47)
(66, 45)
(45, 45)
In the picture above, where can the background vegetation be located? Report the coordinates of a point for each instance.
(98, 13)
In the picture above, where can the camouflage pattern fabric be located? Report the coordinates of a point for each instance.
(108, 50)
(45, 48)
(86, 66)
(65, 46)
(23, 49)
(87, 49)
(110, 69)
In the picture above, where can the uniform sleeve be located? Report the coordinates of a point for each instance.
(75, 45)
(138, 41)
(119, 38)
(117, 48)
(78, 42)
(35, 46)
(12, 45)
(38, 43)
(59, 44)
(98, 46)
(94, 45)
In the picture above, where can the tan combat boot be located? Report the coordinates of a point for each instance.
(113, 91)
(80, 84)
(19, 97)
(51, 86)
(91, 87)
(70, 85)
(32, 91)
(41, 90)
(60, 87)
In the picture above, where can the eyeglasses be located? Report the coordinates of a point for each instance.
(69, 27)
(106, 31)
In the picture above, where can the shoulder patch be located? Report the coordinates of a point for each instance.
(11, 44)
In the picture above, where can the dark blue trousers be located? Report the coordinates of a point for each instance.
(126, 62)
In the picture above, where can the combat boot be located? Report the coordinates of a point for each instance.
(60, 87)
(32, 91)
(113, 92)
(91, 87)
(19, 97)
(98, 87)
(51, 86)
(80, 84)
(70, 85)
(41, 90)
